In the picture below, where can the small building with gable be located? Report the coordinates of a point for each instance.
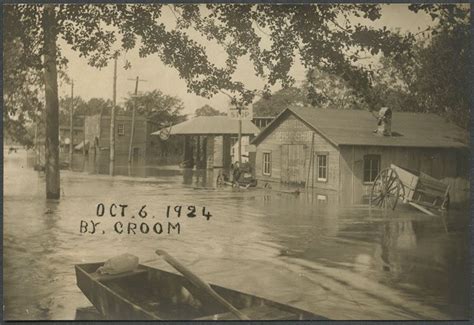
(347, 152)
(210, 141)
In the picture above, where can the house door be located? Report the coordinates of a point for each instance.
(136, 155)
(292, 163)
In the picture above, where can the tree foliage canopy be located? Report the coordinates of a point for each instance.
(277, 102)
(160, 108)
(434, 78)
(324, 36)
(83, 108)
(207, 110)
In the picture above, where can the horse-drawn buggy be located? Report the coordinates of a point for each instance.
(418, 189)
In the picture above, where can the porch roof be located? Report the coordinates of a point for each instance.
(212, 125)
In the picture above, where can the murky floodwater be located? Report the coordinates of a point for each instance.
(342, 263)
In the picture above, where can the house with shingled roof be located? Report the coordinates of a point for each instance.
(339, 152)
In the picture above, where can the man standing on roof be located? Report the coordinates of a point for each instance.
(384, 122)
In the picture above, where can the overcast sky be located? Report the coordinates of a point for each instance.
(91, 82)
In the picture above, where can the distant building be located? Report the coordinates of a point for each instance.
(262, 121)
(348, 155)
(97, 136)
(37, 155)
(64, 136)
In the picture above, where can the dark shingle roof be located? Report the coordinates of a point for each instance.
(355, 127)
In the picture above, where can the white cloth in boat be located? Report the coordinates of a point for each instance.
(119, 264)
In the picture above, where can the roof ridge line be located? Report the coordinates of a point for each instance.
(315, 128)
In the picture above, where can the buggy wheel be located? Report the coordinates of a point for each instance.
(386, 189)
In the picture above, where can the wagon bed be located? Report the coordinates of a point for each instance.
(418, 189)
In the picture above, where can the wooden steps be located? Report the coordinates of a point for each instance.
(263, 312)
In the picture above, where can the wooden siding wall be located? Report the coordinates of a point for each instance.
(100, 128)
(122, 142)
(292, 131)
(449, 165)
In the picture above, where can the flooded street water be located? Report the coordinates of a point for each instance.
(341, 263)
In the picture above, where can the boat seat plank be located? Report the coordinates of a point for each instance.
(105, 277)
(263, 312)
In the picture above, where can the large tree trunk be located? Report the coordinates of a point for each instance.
(52, 105)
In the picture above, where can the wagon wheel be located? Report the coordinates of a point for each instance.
(386, 189)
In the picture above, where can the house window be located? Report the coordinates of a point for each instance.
(121, 129)
(267, 163)
(322, 167)
(322, 198)
(371, 167)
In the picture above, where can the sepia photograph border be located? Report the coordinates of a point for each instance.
(471, 165)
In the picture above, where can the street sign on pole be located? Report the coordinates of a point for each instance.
(242, 113)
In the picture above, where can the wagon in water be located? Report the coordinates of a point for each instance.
(418, 189)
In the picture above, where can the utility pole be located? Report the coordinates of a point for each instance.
(84, 137)
(112, 122)
(71, 126)
(84, 142)
(239, 147)
(36, 144)
(133, 119)
(239, 151)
